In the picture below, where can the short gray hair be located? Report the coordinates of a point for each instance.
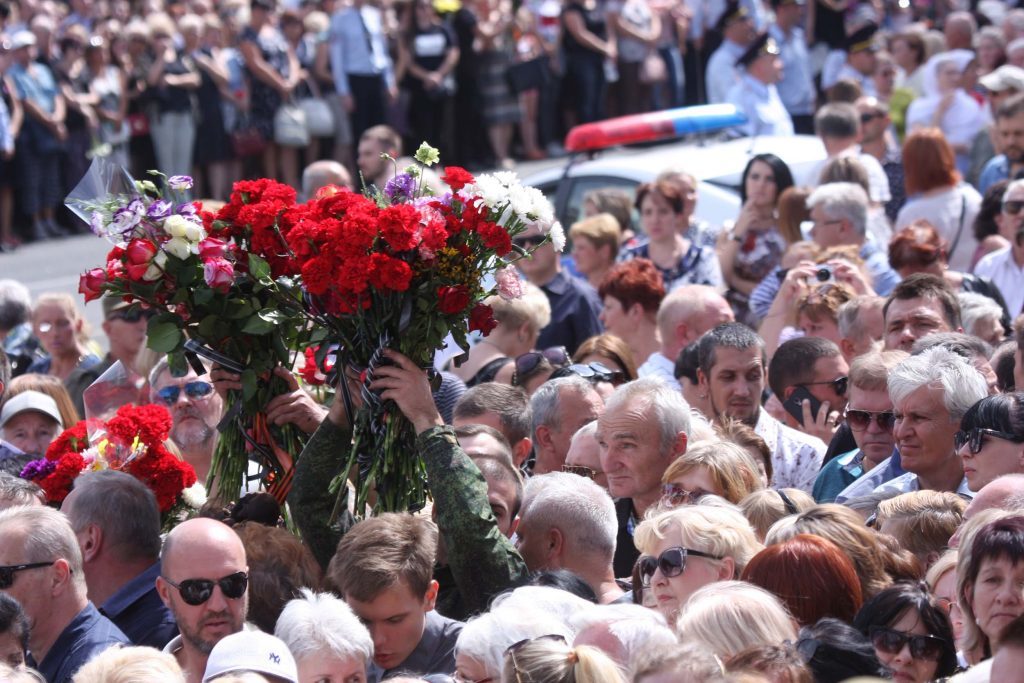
(848, 316)
(123, 507)
(843, 201)
(319, 622)
(47, 536)
(322, 173)
(976, 307)
(582, 509)
(15, 304)
(485, 638)
(682, 304)
(636, 628)
(544, 404)
(962, 386)
(671, 411)
(15, 491)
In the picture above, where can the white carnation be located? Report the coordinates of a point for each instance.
(557, 236)
(194, 496)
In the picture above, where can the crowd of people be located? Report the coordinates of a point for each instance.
(787, 448)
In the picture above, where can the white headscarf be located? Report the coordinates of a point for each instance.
(931, 69)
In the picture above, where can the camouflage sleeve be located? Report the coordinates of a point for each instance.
(309, 502)
(482, 560)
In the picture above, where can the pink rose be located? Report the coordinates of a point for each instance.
(90, 284)
(138, 256)
(212, 248)
(509, 285)
(219, 273)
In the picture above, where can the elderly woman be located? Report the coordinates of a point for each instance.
(665, 212)
(595, 244)
(982, 317)
(519, 323)
(946, 105)
(328, 640)
(910, 631)
(689, 547)
(935, 191)
(717, 468)
(480, 649)
(631, 293)
(59, 326)
(731, 616)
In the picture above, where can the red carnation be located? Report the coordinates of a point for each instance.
(482, 318)
(452, 300)
(457, 177)
(399, 225)
(389, 273)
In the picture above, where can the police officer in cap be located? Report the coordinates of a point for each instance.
(796, 87)
(756, 95)
(737, 31)
(855, 63)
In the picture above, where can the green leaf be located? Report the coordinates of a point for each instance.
(258, 268)
(257, 325)
(202, 296)
(208, 326)
(164, 336)
(249, 384)
(177, 364)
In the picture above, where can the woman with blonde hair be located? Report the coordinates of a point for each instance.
(766, 507)
(520, 321)
(52, 387)
(688, 547)
(719, 468)
(130, 664)
(595, 244)
(550, 659)
(608, 350)
(60, 328)
(731, 616)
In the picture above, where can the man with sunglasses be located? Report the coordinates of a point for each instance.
(195, 408)
(815, 366)
(203, 581)
(1005, 267)
(870, 418)
(41, 568)
(574, 305)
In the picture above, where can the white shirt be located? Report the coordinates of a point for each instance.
(796, 457)
(908, 483)
(658, 365)
(760, 102)
(1002, 269)
(721, 72)
(878, 182)
(952, 212)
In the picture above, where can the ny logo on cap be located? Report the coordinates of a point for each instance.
(276, 659)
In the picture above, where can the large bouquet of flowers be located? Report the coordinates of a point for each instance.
(402, 270)
(217, 290)
(131, 441)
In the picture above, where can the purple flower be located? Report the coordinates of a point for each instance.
(37, 469)
(97, 223)
(128, 217)
(402, 185)
(186, 209)
(179, 182)
(159, 209)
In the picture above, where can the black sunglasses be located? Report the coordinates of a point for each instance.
(197, 591)
(921, 647)
(860, 419)
(976, 438)
(595, 372)
(197, 389)
(840, 384)
(1012, 207)
(868, 117)
(672, 563)
(132, 315)
(526, 363)
(530, 242)
(7, 573)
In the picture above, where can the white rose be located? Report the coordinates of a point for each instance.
(194, 233)
(156, 267)
(176, 225)
(178, 247)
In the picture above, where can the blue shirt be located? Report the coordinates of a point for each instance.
(796, 89)
(997, 168)
(574, 311)
(721, 72)
(887, 470)
(837, 474)
(766, 115)
(139, 612)
(88, 634)
(352, 31)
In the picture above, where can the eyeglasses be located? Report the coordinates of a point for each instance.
(132, 315)
(197, 591)
(512, 649)
(860, 419)
(677, 495)
(581, 470)
(975, 438)
(197, 389)
(7, 573)
(1012, 207)
(892, 642)
(595, 372)
(528, 362)
(672, 563)
(839, 384)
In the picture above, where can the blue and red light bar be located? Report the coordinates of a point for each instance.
(652, 127)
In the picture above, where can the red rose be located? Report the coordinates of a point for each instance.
(212, 247)
(138, 256)
(219, 274)
(482, 318)
(452, 300)
(90, 284)
(457, 177)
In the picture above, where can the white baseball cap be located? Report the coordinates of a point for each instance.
(251, 651)
(23, 38)
(30, 400)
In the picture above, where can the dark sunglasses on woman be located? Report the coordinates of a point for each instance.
(891, 641)
(528, 362)
(975, 438)
(672, 563)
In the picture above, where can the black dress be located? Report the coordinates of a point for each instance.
(265, 101)
(212, 143)
(429, 47)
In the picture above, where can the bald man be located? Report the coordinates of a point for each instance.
(203, 581)
(1002, 493)
(323, 173)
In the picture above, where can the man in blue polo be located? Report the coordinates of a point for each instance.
(756, 95)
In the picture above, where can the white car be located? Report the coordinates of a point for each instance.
(717, 164)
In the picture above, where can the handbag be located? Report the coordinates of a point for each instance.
(319, 117)
(246, 139)
(529, 75)
(290, 129)
(653, 69)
